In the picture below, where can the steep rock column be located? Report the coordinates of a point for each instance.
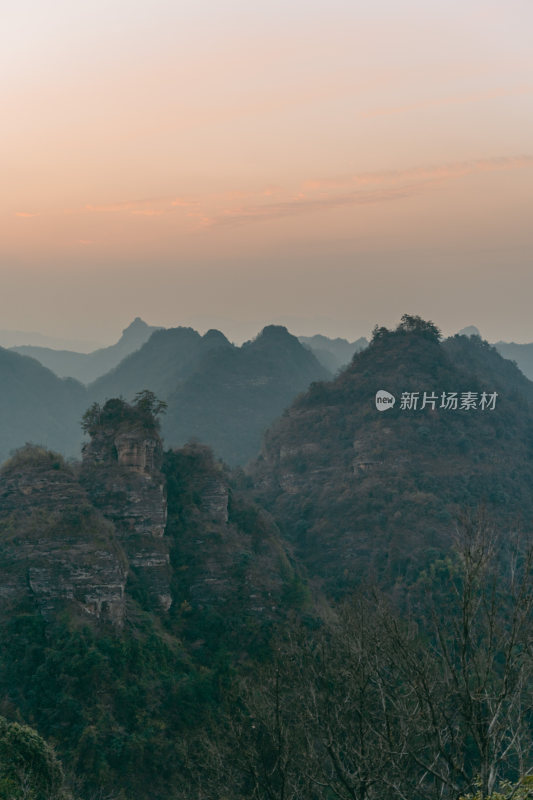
(121, 474)
(56, 548)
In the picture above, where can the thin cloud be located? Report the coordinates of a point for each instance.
(147, 212)
(26, 214)
(237, 207)
(436, 171)
(132, 206)
(181, 202)
(321, 195)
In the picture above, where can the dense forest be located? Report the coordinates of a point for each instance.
(351, 617)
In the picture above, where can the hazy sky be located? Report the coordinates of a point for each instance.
(229, 164)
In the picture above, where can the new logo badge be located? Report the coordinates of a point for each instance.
(384, 400)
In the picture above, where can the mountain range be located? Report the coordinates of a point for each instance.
(333, 354)
(177, 629)
(221, 394)
(86, 367)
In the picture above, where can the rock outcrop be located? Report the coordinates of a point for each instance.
(120, 472)
(56, 548)
(76, 534)
(227, 553)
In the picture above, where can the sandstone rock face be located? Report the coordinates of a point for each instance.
(215, 500)
(120, 472)
(76, 535)
(227, 553)
(55, 547)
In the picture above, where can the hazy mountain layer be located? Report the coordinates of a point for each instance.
(37, 406)
(223, 395)
(333, 354)
(522, 354)
(159, 365)
(234, 394)
(86, 367)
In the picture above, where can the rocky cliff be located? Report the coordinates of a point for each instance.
(120, 472)
(227, 555)
(57, 549)
(95, 537)
(72, 535)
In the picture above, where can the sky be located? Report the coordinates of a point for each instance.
(327, 166)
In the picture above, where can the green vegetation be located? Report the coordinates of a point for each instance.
(121, 416)
(31, 456)
(372, 496)
(29, 769)
(351, 620)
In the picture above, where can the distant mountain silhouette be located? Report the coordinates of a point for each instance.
(333, 354)
(235, 393)
(223, 395)
(160, 365)
(521, 354)
(10, 339)
(37, 406)
(86, 367)
(470, 330)
(374, 495)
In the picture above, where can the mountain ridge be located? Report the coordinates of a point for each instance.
(86, 367)
(359, 492)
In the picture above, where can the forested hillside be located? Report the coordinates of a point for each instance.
(37, 406)
(349, 618)
(368, 494)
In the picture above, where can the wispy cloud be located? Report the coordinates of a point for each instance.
(182, 202)
(147, 212)
(302, 204)
(453, 169)
(365, 188)
(150, 207)
(26, 214)
(237, 207)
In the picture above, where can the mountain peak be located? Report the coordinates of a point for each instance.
(137, 326)
(215, 336)
(274, 334)
(274, 330)
(470, 330)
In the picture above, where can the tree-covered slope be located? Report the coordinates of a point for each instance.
(37, 406)
(234, 394)
(365, 494)
(224, 396)
(160, 365)
(522, 354)
(121, 683)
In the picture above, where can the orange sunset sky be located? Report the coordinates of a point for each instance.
(327, 166)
